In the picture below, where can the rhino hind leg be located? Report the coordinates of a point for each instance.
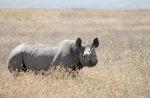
(16, 63)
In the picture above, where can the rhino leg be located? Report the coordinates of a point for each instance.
(16, 63)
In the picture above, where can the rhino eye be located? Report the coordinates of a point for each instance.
(84, 55)
(89, 50)
(90, 61)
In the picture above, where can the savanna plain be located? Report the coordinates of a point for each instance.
(123, 70)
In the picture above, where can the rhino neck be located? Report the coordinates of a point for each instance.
(78, 65)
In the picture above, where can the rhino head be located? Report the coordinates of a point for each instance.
(86, 53)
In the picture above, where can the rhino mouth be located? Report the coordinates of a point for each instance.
(92, 64)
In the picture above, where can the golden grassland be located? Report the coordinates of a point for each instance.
(123, 70)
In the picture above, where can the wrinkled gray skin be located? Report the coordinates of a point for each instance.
(71, 54)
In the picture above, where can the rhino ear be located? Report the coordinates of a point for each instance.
(95, 43)
(78, 42)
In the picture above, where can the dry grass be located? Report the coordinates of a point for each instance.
(123, 70)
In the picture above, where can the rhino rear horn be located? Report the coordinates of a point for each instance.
(95, 43)
(78, 42)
